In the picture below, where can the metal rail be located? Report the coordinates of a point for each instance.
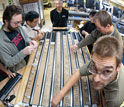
(62, 65)
(53, 73)
(36, 74)
(87, 78)
(78, 66)
(45, 73)
(70, 70)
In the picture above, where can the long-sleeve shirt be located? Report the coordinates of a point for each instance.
(113, 92)
(10, 56)
(95, 35)
(88, 27)
(59, 19)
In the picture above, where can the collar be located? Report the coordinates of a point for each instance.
(58, 12)
(111, 32)
(27, 26)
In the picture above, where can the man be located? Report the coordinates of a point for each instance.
(59, 16)
(88, 28)
(104, 26)
(107, 70)
(31, 19)
(15, 46)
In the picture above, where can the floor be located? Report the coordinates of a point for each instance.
(48, 24)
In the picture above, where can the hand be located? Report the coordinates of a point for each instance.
(33, 43)
(10, 74)
(40, 34)
(56, 99)
(74, 48)
(1, 104)
(86, 34)
(28, 50)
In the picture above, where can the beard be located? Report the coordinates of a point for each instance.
(11, 28)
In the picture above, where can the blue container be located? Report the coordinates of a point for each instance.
(123, 59)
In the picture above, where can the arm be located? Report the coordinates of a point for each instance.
(10, 60)
(51, 17)
(84, 27)
(39, 36)
(25, 36)
(85, 33)
(72, 80)
(10, 74)
(10, 56)
(89, 40)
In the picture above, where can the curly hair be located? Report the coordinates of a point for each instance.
(10, 11)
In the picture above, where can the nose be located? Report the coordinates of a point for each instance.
(19, 24)
(97, 78)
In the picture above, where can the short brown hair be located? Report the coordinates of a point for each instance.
(103, 17)
(108, 46)
(10, 11)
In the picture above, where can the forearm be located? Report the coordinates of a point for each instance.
(10, 61)
(83, 32)
(87, 41)
(3, 68)
(72, 80)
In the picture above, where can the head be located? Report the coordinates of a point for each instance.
(32, 18)
(107, 55)
(12, 17)
(92, 14)
(58, 4)
(103, 22)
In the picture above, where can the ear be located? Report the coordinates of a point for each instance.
(108, 26)
(6, 22)
(118, 67)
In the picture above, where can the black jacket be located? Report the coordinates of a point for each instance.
(59, 19)
(88, 27)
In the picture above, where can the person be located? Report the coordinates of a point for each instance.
(88, 28)
(5, 73)
(32, 18)
(107, 70)
(15, 45)
(59, 15)
(104, 25)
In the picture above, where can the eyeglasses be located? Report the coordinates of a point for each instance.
(105, 74)
(16, 23)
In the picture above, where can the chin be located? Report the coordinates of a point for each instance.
(98, 88)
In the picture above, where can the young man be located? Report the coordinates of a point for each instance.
(59, 15)
(15, 46)
(107, 70)
(88, 28)
(32, 19)
(104, 26)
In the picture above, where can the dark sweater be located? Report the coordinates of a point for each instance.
(59, 19)
(88, 27)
